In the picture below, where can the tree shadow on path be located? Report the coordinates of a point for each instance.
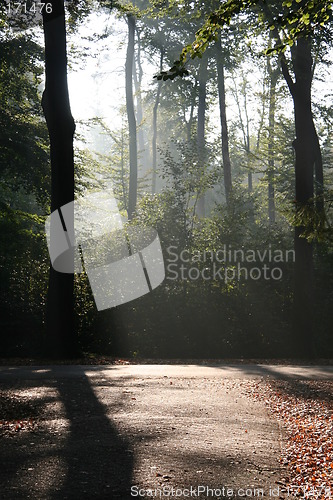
(76, 451)
(98, 461)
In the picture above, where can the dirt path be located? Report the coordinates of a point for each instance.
(102, 433)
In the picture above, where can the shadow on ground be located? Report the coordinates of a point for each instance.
(79, 456)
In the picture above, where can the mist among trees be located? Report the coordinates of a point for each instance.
(219, 136)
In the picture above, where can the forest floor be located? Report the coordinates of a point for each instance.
(104, 432)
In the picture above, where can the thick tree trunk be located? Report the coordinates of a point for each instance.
(306, 152)
(308, 160)
(273, 76)
(133, 149)
(224, 126)
(201, 209)
(61, 339)
(154, 140)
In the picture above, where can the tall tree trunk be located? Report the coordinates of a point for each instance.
(201, 209)
(245, 128)
(133, 149)
(247, 145)
(273, 75)
(223, 120)
(122, 172)
(307, 155)
(154, 140)
(308, 160)
(249, 182)
(304, 168)
(319, 176)
(137, 79)
(189, 123)
(61, 339)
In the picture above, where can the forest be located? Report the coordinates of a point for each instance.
(207, 122)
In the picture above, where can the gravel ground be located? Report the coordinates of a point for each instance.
(96, 437)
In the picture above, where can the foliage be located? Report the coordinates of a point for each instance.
(23, 277)
(292, 18)
(24, 150)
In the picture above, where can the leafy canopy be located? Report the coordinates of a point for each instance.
(293, 18)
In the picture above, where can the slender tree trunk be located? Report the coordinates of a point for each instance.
(245, 127)
(122, 160)
(133, 149)
(61, 339)
(224, 126)
(137, 79)
(262, 120)
(189, 123)
(154, 140)
(273, 76)
(201, 128)
(247, 146)
(250, 182)
(319, 176)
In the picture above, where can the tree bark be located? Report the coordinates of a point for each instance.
(137, 79)
(201, 209)
(189, 123)
(224, 125)
(307, 154)
(122, 172)
(61, 339)
(133, 149)
(308, 160)
(154, 140)
(273, 76)
(245, 131)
